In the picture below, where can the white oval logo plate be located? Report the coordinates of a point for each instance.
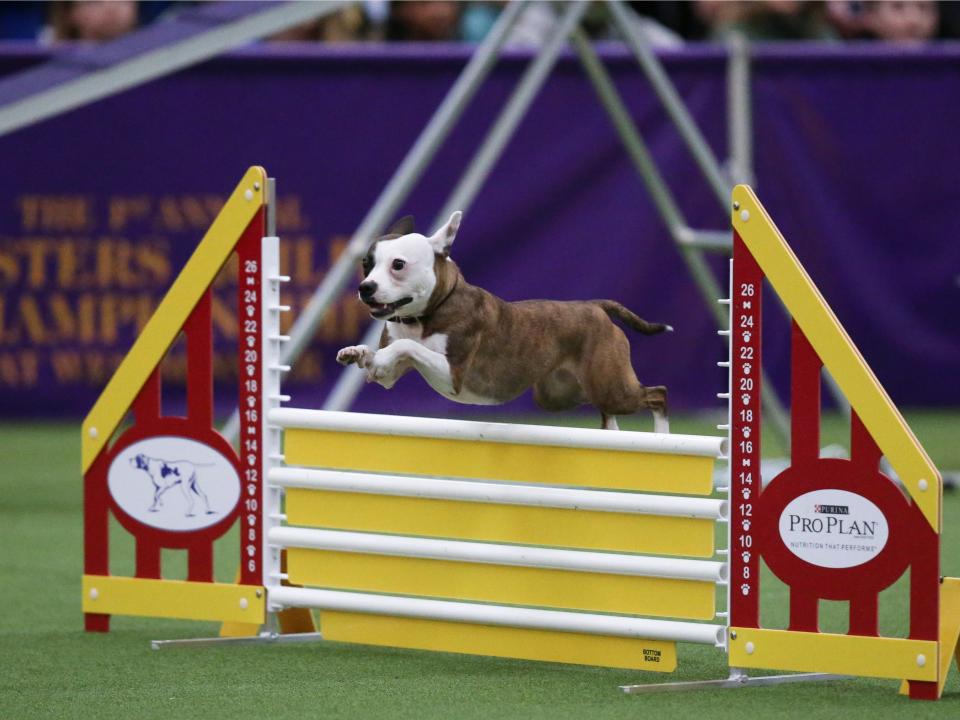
(174, 483)
(833, 528)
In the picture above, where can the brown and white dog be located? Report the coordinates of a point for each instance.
(472, 347)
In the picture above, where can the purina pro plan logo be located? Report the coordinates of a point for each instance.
(833, 528)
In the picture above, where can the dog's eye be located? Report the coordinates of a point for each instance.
(398, 264)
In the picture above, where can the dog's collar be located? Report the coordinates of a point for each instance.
(420, 319)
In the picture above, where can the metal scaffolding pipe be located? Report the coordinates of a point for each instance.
(396, 190)
(156, 63)
(739, 126)
(351, 379)
(673, 104)
(689, 241)
(513, 112)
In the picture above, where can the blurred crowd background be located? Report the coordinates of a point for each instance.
(852, 142)
(665, 22)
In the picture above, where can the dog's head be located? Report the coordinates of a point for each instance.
(399, 274)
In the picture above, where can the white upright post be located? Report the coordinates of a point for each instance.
(730, 496)
(271, 398)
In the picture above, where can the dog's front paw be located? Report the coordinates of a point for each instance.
(359, 354)
(382, 368)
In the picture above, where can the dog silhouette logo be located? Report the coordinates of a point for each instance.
(167, 474)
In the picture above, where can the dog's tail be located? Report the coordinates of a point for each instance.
(630, 319)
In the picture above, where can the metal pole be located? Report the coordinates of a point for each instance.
(647, 168)
(740, 129)
(739, 126)
(674, 105)
(397, 189)
(121, 76)
(696, 264)
(513, 112)
(622, 122)
(351, 380)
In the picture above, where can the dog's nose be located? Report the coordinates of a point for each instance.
(367, 289)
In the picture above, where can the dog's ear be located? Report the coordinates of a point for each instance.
(443, 238)
(403, 226)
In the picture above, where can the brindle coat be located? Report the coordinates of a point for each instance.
(570, 353)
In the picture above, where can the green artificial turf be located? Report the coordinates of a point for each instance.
(50, 668)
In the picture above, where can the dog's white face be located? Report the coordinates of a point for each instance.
(398, 274)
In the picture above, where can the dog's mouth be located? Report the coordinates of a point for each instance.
(385, 310)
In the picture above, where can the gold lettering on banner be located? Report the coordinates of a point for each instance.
(32, 320)
(290, 218)
(35, 257)
(67, 367)
(154, 261)
(19, 369)
(9, 267)
(55, 212)
(82, 275)
(124, 211)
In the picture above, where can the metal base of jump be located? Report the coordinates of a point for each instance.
(737, 679)
(265, 638)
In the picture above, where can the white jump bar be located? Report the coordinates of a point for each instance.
(497, 493)
(494, 554)
(352, 422)
(558, 620)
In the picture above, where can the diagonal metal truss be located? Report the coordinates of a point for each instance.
(196, 34)
(692, 243)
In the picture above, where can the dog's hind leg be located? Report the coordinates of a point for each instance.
(612, 386)
(608, 422)
(661, 423)
(655, 399)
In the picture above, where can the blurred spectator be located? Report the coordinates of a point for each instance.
(477, 18)
(910, 21)
(420, 20)
(846, 16)
(766, 19)
(662, 22)
(345, 25)
(92, 20)
(901, 20)
(536, 23)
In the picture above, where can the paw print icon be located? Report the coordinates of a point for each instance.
(745, 589)
(746, 557)
(746, 526)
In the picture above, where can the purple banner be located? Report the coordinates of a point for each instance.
(855, 155)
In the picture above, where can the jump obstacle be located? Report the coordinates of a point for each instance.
(566, 545)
